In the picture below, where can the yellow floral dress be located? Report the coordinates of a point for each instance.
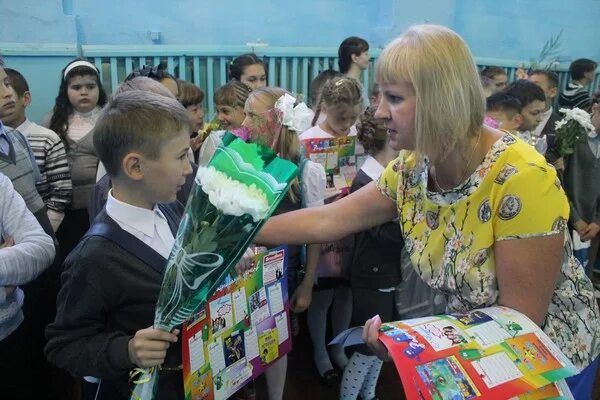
(450, 236)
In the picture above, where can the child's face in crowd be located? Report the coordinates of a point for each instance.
(196, 114)
(542, 81)
(507, 120)
(164, 176)
(83, 92)
(171, 86)
(14, 116)
(589, 76)
(500, 81)
(362, 60)
(230, 117)
(260, 122)
(7, 98)
(397, 109)
(340, 118)
(532, 114)
(254, 76)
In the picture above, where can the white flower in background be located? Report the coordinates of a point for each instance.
(230, 196)
(580, 116)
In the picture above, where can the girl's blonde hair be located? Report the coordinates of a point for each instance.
(288, 145)
(450, 105)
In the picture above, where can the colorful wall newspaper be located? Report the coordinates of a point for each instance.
(490, 353)
(494, 353)
(341, 157)
(243, 329)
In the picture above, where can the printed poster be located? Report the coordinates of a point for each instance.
(490, 353)
(243, 329)
(339, 158)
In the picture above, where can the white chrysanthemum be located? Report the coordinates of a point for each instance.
(580, 116)
(230, 196)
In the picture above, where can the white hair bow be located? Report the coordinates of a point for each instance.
(295, 118)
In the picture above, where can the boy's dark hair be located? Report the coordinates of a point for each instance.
(189, 94)
(526, 92)
(158, 72)
(579, 67)
(18, 81)
(492, 71)
(551, 76)
(371, 132)
(63, 108)
(237, 66)
(349, 47)
(316, 85)
(137, 121)
(502, 101)
(232, 94)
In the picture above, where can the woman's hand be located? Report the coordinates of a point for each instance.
(302, 297)
(246, 262)
(371, 338)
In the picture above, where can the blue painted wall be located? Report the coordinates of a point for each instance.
(509, 30)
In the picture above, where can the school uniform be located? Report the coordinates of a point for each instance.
(375, 260)
(109, 292)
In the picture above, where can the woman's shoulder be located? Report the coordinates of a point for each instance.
(519, 157)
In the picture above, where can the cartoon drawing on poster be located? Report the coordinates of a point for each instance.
(259, 309)
(446, 379)
(221, 313)
(233, 348)
(268, 346)
(472, 318)
(441, 334)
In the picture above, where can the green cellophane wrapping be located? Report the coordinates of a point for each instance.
(209, 242)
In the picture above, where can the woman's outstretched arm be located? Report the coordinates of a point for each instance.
(361, 210)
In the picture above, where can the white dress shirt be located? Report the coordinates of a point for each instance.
(150, 226)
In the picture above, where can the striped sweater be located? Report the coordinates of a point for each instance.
(55, 185)
(575, 96)
(32, 253)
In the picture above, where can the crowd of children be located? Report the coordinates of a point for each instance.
(95, 193)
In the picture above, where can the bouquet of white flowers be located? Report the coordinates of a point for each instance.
(575, 127)
(231, 198)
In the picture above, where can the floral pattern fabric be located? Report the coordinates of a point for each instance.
(450, 236)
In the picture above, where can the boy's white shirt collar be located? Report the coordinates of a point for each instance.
(24, 126)
(372, 168)
(546, 116)
(141, 220)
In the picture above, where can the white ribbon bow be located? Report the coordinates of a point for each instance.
(295, 118)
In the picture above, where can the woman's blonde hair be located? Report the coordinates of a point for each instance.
(288, 145)
(450, 103)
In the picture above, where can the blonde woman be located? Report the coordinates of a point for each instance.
(482, 214)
